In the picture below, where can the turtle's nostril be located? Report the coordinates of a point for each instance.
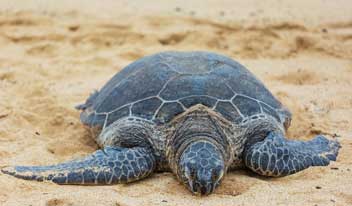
(203, 190)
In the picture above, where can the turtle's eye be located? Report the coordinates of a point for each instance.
(193, 174)
(217, 174)
(214, 176)
(190, 172)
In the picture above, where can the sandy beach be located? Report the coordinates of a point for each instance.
(53, 54)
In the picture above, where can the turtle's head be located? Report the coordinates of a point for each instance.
(201, 167)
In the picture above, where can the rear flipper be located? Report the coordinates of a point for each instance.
(278, 156)
(107, 166)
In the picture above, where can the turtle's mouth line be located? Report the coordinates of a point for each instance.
(198, 192)
(189, 183)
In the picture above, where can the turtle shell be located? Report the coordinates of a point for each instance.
(161, 86)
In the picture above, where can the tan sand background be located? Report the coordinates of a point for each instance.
(54, 53)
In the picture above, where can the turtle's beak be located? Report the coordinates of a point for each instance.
(203, 181)
(201, 188)
(204, 189)
(201, 167)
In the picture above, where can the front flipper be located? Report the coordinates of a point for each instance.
(107, 166)
(278, 156)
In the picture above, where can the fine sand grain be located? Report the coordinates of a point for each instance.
(53, 54)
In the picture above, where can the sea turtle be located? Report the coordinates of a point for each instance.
(196, 114)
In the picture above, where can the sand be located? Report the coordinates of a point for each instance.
(53, 54)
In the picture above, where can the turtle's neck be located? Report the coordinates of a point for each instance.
(196, 126)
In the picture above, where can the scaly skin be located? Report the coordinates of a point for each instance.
(203, 167)
(276, 156)
(106, 166)
(198, 146)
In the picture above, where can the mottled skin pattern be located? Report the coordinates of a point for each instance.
(203, 166)
(106, 166)
(196, 114)
(278, 156)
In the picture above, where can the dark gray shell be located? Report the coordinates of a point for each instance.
(163, 85)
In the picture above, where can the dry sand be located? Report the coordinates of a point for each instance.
(54, 53)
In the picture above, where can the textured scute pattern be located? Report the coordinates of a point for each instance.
(107, 166)
(147, 108)
(245, 83)
(277, 156)
(193, 100)
(197, 84)
(168, 111)
(270, 111)
(163, 85)
(203, 151)
(122, 112)
(229, 111)
(121, 76)
(136, 87)
(202, 162)
(247, 106)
